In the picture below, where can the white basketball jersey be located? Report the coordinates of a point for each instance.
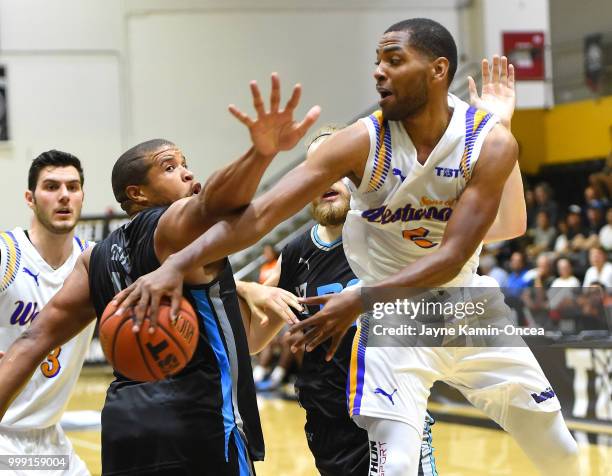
(400, 210)
(27, 283)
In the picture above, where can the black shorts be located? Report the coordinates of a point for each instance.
(339, 447)
(146, 433)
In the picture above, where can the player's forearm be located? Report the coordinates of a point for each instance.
(247, 227)
(234, 186)
(435, 269)
(18, 365)
(511, 219)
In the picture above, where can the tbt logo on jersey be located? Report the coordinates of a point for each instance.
(446, 172)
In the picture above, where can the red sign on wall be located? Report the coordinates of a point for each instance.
(525, 50)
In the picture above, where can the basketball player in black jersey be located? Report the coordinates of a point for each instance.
(204, 420)
(314, 264)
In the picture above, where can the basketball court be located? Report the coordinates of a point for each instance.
(461, 449)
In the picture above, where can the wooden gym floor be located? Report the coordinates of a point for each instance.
(460, 450)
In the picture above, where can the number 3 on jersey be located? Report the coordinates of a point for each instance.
(417, 236)
(51, 366)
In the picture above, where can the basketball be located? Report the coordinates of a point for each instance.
(147, 357)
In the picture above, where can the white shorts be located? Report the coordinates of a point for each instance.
(46, 441)
(394, 383)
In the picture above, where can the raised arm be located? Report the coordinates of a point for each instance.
(231, 188)
(499, 97)
(471, 218)
(66, 314)
(343, 154)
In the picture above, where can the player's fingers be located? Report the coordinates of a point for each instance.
(472, 89)
(310, 118)
(315, 299)
(153, 308)
(291, 300)
(175, 305)
(294, 100)
(495, 69)
(316, 339)
(1, 354)
(140, 310)
(258, 103)
(300, 338)
(511, 76)
(486, 72)
(121, 296)
(275, 93)
(241, 116)
(129, 299)
(504, 70)
(287, 313)
(335, 342)
(262, 316)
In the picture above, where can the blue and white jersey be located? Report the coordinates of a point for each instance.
(400, 210)
(27, 283)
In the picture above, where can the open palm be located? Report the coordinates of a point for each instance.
(275, 130)
(498, 94)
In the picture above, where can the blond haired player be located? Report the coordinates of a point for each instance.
(34, 264)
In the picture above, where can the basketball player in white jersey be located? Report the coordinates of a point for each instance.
(428, 174)
(33, 266)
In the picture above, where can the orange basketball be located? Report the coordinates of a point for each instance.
(146, 357)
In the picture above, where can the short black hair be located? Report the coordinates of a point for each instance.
(52, 158)
(430, 38)
(132, 169)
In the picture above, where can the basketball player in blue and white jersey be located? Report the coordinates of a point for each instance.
(34, 264)
(428, 174)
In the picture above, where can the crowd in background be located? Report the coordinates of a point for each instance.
(556, 276)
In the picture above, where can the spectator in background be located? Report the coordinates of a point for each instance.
(530, 204)
(562, 293)
(600, 270)
(605, 234)
(542, 275)
(576, 232)
(592, 308)
(562, 242)
(545, 202)
(566, 277)
(592, 198)
(489, 267)
(542, 235)
(595, 222)
(516, 279)
(271, 257)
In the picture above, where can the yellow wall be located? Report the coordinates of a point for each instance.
(567, 133)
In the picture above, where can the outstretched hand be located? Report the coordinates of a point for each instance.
(147, 292)
(498, 94)
(338, 314)
(275, 130)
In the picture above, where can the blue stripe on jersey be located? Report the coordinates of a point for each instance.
(319, 241)
(82, 244)
(243, 460)
(214, 337)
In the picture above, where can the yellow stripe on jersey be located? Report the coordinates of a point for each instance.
(11, 247)
(382, 154)
(475, 121)
(353, 371)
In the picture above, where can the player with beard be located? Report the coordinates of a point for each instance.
(314, 264)
(33, 266)
(203, 420)
(427, 176)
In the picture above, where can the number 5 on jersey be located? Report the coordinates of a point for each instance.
(417, 236)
